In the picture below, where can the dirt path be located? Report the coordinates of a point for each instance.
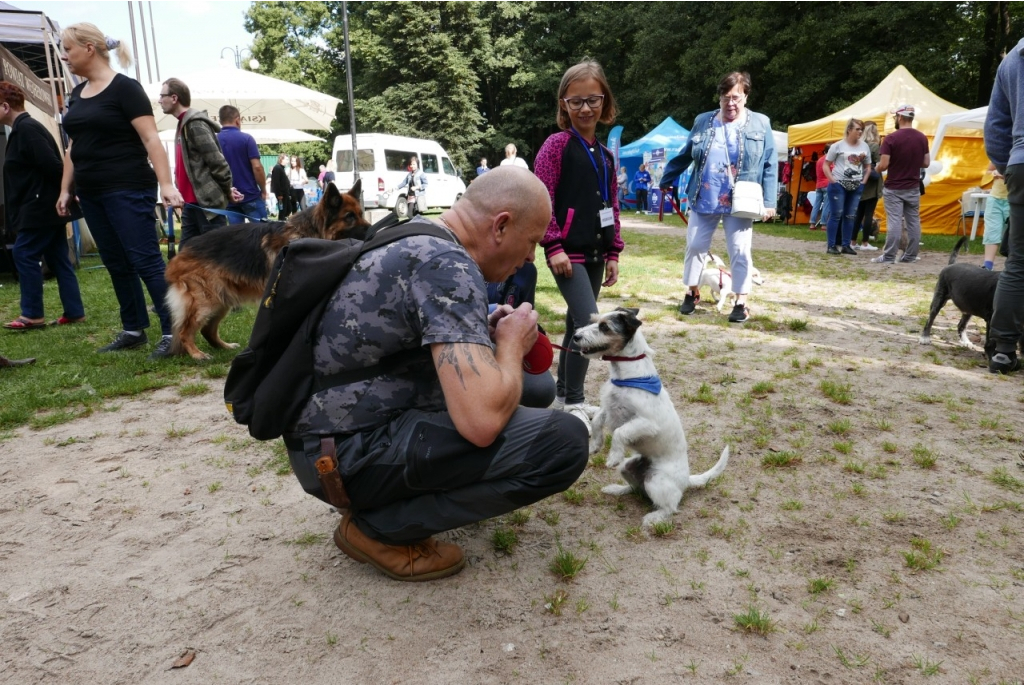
(156, 526)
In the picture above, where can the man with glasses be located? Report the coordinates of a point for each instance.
(201, 173)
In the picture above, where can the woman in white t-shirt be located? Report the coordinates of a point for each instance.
(298, 179)
(851, 158)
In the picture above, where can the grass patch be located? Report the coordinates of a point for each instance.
(567, 565)
(504, 539)
(780, 460)
(1001, 477)
(835, 391)
(76, 378)
(923, 456)
(923, 556)
(753, 620)
(193, 389)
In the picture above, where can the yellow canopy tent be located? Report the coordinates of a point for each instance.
(962, 155)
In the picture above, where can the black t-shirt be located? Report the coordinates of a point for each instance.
(106, 150)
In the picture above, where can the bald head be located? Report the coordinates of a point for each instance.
(508, 189)
(500, 219)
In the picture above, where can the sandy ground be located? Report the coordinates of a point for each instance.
(157, 527)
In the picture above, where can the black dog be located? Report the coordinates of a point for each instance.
(972, 290)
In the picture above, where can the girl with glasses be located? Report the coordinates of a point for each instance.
(726, 145)
(582, 243)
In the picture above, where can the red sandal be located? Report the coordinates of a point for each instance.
(64, 321)
(23, 324)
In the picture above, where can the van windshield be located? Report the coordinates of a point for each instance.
(398, 160)
(344, 160)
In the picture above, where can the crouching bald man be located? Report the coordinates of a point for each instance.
(437, 440)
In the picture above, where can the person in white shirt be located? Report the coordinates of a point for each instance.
(298, 179)
(511, 158)
(851, 158)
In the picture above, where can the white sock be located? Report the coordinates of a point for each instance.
(135, 333)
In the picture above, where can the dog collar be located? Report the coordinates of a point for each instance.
(607, 358)
(651, 384)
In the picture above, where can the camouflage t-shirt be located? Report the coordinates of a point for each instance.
(405, 296)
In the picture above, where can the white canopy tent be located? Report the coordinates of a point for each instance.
(263, 136)
(972, 120)
(264, 102)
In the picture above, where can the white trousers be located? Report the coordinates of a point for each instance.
(738, 240)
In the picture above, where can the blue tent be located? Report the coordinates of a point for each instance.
(661, 144)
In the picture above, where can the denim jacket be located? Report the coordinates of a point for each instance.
(759, 163)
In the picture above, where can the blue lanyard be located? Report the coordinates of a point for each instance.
(605, 188)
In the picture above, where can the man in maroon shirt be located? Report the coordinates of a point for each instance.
(904, 153)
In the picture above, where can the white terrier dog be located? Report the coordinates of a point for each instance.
(640, 416)
(719, 280)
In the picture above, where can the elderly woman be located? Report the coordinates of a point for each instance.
(851, 158)
(113, 141)
(726, 145)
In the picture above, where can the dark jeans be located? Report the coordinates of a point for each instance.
(49, 243)
(580, 291)
(865, 215)
(284, 206)
(194, 223)
(641, 200)
(416, 476)
(123, 224)
(253, 209)
(843, 205)
(1008, 304)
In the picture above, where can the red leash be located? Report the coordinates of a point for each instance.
(675, 208)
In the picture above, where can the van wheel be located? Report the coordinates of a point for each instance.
(402, 208)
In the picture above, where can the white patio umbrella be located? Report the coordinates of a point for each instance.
(264, 102)
(263, 136)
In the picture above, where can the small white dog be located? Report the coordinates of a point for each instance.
(719, 280)
(640, 416)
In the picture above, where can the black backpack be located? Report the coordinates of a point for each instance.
(271, 380)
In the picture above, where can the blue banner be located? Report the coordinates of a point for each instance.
(614, 142)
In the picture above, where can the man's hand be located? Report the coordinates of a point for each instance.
(514, 326)
(236, 196)
(172, 198)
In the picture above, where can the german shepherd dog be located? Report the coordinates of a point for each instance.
(229, 266)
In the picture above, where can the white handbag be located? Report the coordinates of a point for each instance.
(747, 200)
(747, 196)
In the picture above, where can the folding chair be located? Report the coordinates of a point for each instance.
(967, 212)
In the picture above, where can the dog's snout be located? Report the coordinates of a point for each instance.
(577, 337)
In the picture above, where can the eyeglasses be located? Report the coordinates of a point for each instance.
(575, 104)
(859, 130)
(732, 98)
(165, 95)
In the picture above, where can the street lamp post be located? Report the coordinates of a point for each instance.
(239, 55)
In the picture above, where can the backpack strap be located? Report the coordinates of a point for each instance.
(383, 237)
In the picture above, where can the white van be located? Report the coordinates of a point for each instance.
(383, 163)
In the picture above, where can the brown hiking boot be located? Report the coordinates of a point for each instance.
(427, 560)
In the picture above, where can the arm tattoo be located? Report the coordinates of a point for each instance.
(450, 354)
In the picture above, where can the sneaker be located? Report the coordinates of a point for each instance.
(125, 341)
(904, 260)
(581, 412)
(739, 314)
(427, 560)
(869, 248)
(848, 250)
(832, 249)
(163, 348)
(558, 404)
(880, 259)
(689, 304)
(1003, 363)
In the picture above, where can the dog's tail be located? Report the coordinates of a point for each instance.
(714, 472)
(956, 249)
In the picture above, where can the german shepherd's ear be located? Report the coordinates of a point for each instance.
(356, 189)
(332, 199)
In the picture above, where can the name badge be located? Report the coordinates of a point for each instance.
(607, 217)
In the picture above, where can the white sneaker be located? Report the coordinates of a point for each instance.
(880, 259)
(869, 248)
(558, 404)
(580, 412)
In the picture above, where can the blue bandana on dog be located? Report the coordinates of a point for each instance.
(651, 384)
